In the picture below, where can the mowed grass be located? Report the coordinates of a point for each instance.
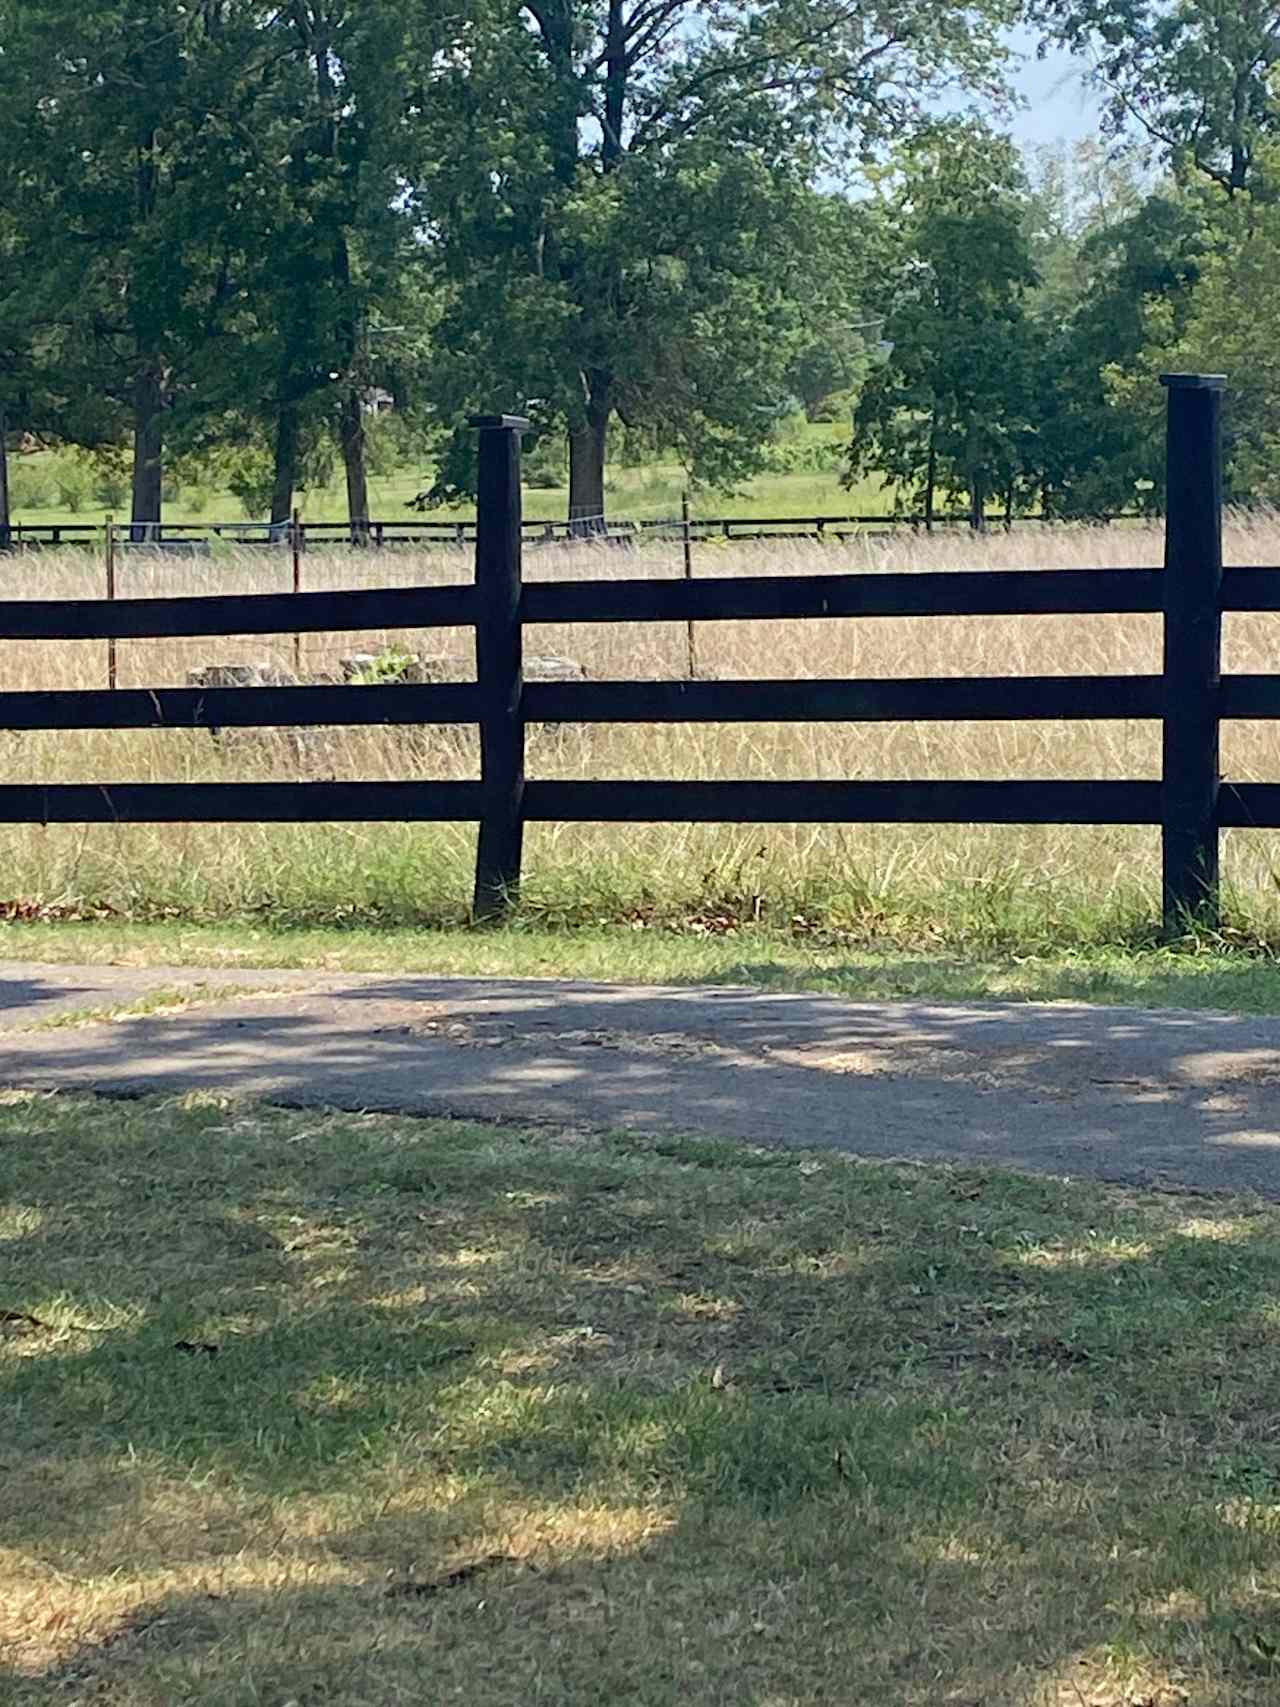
(1204, 974)
(325, 1408)
(968, 889)
(641, 492)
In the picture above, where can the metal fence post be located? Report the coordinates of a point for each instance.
(111, 593)
(1192, 652)
(6, 520)
(499, 663)
(687, 536)
(295, 547)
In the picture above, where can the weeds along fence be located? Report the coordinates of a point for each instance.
(1190, 697)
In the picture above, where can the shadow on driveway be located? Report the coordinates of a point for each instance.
(1153, 1097)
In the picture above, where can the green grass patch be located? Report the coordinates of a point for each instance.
(357, 1410)
(1195, 975)
(148, 1005)
(806, 482)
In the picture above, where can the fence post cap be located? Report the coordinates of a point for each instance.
(1193, 381)
(500, 423)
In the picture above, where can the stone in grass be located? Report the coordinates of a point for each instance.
(241, 676)
(552, 669)
(417, 669)
(305, 742)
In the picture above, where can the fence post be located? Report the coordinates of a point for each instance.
(499, 663)
(6, 522)
(1192, 651)
(295, 550)
(691, 650)
(111, 593)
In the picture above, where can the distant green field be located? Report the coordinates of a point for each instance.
(651, 491)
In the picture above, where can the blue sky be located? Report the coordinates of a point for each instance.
(1060, 108)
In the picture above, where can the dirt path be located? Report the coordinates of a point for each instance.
(1157, 1097)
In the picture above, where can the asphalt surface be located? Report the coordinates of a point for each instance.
(1154, 1097)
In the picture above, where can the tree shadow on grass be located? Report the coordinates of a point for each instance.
(752, 1426)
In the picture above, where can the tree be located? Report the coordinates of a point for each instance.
(316, 234)
(1193, 75)
(831, 353)
(951, 405)
(211, 215)
(1231, 325)
(114, 121)
(609, 211)
(1099, 448)
(1077, 192)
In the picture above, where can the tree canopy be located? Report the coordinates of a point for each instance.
(227, 228)
(1194, 75)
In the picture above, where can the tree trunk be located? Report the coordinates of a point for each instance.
(1239, 119)
(1008, 507)
(617, 69)
(588, 454)
(353, 449)
(6, 532)
(977, 502)
(286, 461)
(148, 444)
(931, 480)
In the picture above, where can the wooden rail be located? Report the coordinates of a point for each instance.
(1190, 697)
(462, 534)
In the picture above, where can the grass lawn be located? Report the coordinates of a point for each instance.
(366, 1410)
(1210, 977)
(647, 491)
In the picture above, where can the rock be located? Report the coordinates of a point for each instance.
(552, 669)
(306, 743)
(241, 676)
(356, 664)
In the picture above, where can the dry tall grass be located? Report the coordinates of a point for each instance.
(943, 882)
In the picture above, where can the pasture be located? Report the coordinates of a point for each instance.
(965, 887)
(807, 459)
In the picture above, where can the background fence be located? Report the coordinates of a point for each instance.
(380, 535)
(1190, 697)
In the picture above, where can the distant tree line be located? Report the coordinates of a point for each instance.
(1030, 305)
(226, 226)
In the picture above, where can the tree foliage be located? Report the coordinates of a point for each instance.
(952, 403)
(1194, 75)
(623, 213)
(1101, 448)
(225, 223)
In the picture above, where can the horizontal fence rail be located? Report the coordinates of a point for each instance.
(212, 615)
(241, 803)
(975, 699)
(1190, 697)
(241, 708)
(1244, 805)
(1101, 802)
(996, 592)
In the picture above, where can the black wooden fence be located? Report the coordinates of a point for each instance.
(1191, 697)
